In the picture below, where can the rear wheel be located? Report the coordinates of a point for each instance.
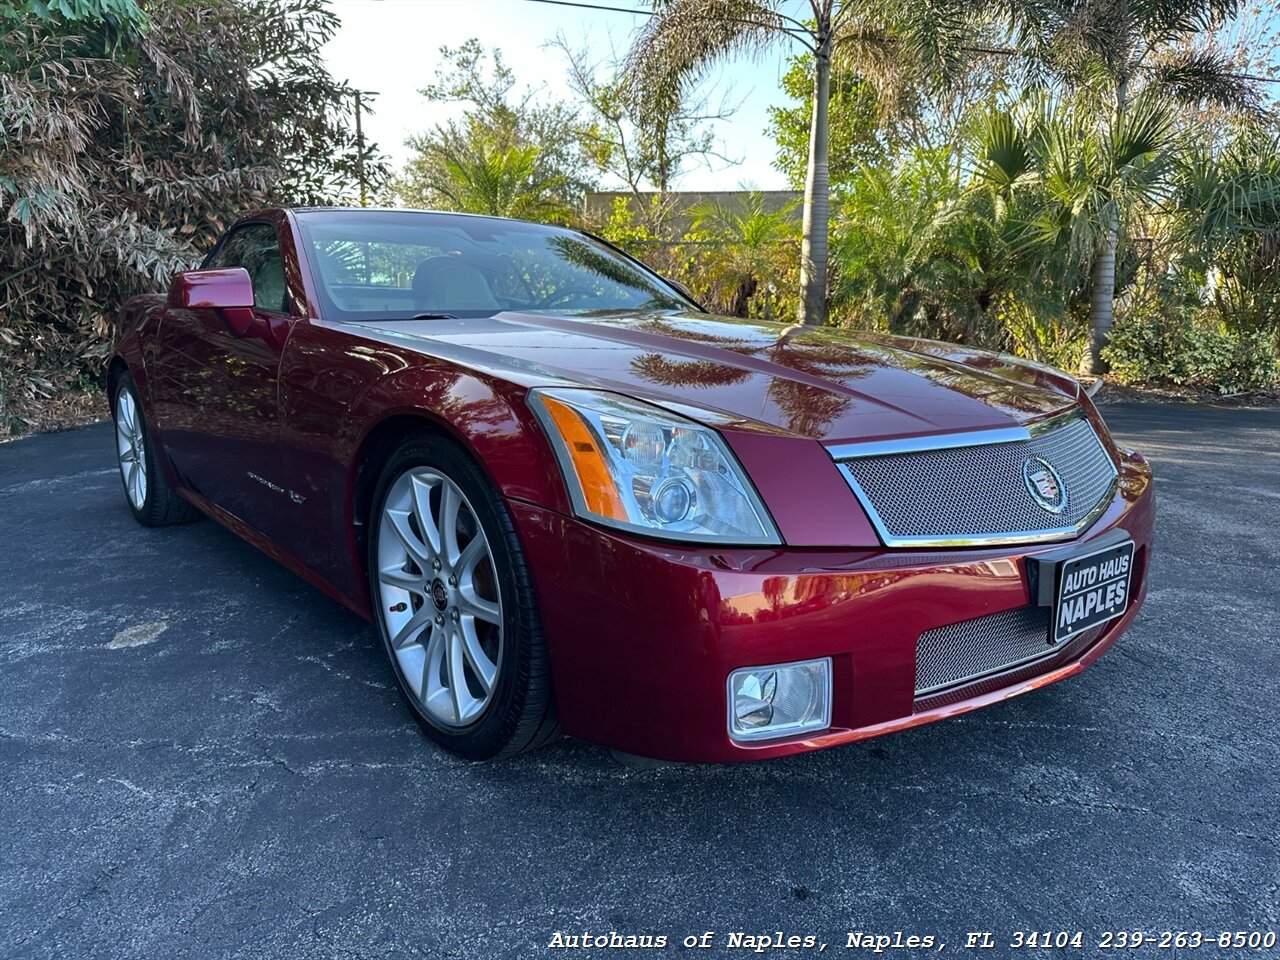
(455, 605)
(153, 502)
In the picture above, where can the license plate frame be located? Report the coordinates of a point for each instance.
(1094, 579)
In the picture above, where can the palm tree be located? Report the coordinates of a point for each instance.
(750, 244)
(498, 180)
(1110, 54)
(684, 37)
(1226, 217)
(891, 244)
(1063, 185)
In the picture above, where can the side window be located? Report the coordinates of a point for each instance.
(256, 248)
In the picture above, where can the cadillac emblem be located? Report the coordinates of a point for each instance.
(439, 595)
(1044, 484)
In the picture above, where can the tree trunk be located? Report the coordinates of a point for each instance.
(1102, 299)
(1102, 295)
(817, 190)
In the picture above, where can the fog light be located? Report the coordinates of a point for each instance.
(780, 700)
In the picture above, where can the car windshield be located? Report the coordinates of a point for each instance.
(399, 264)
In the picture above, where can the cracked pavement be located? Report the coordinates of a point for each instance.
(205, 757)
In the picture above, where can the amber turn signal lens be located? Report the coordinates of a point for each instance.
(588, 461)
(633, 466)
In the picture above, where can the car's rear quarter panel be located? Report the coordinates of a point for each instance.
(134, 343)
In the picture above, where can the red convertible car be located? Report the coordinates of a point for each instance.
(570, 499)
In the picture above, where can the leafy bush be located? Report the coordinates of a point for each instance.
(625, 230)
(128, 144)
(1196, 351)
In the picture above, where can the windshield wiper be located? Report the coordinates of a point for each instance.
(433, 316)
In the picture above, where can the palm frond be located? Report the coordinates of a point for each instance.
(676, 46)
(1219, 197)
(932, 34)
(895, 46)
(1197, 77)
(1144, 130)
(1002, 148)
(1162, 21)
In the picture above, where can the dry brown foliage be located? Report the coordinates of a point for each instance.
(126, 149)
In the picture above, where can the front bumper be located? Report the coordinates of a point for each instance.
(642, 635)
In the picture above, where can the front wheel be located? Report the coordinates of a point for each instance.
(455, 605)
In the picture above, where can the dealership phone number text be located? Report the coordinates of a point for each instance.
(1129, 940)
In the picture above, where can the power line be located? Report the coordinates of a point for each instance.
(592, 6)
(1254, 77)
(799, 31)
(802, 33)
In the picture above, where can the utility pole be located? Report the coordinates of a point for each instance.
(360, 177)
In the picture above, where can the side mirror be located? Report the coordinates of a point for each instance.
(228, 291)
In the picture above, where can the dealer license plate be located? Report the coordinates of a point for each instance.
(1092, 589)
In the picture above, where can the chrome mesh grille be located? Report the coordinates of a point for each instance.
(964, 651)
(1018, 673)
(978, 492)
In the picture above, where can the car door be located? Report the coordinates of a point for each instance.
(217, 393)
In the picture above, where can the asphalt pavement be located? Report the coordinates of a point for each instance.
(202, 756)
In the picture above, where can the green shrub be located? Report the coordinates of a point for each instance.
(1195, 351)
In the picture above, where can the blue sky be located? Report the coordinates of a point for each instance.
(391, 46)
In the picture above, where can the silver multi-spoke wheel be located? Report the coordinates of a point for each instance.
(455, 602)
(438, 596)
(131, 448)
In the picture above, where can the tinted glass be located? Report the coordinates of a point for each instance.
(256, 248)
(387, 264)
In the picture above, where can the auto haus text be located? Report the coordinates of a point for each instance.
(1105, 596)
(741, 940)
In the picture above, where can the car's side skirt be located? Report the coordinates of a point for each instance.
(283, 557)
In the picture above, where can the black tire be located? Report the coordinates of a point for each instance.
(520, 714)
(161, 506)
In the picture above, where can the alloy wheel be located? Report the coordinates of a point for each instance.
(131, 448)
(438, 596)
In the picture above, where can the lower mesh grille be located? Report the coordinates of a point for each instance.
(966, 651)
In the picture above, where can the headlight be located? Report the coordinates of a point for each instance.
(636, 467)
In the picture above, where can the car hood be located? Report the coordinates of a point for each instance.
(822, 383)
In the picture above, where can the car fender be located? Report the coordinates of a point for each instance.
(486, 416)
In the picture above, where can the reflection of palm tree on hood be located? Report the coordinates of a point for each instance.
(687, 373)
(669, 327)
(810, 409)
(807, 407)
(828, 357)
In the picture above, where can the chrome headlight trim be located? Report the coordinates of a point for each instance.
(592, 406)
